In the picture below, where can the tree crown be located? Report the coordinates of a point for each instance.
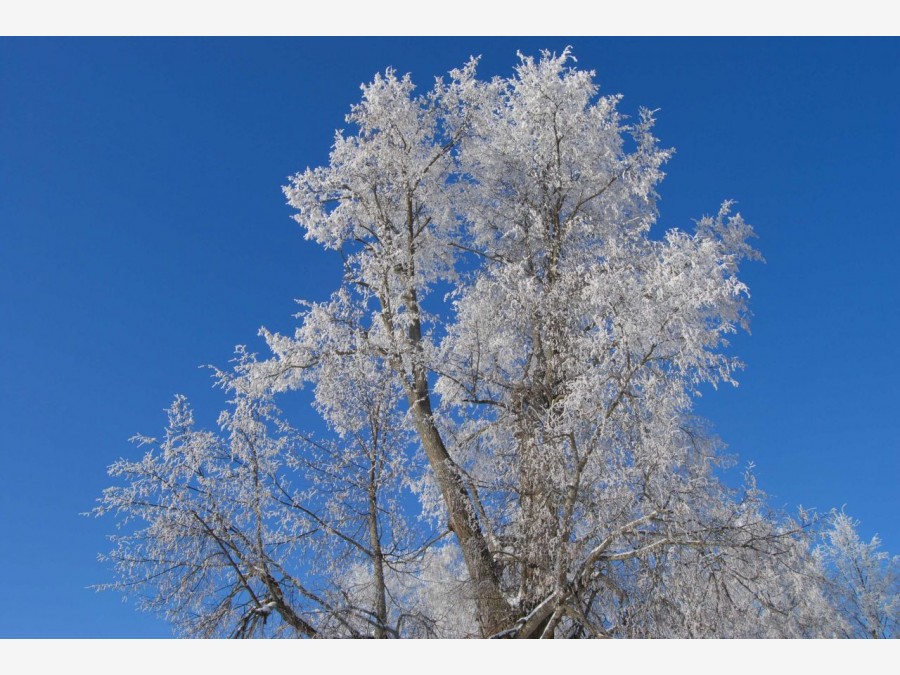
(518, 457)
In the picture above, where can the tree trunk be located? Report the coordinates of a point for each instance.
(375, 542)
(494, 612)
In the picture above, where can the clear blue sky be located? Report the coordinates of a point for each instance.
(143, 233)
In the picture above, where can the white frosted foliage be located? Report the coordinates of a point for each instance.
(505, 379)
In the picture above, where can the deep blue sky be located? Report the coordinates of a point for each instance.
(143, 233)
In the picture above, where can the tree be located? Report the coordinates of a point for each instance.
(506, 374)
(863, 582)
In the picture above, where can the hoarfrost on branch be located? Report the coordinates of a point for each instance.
(506, 376)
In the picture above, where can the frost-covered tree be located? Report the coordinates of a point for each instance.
(506, 374)
(862, 581)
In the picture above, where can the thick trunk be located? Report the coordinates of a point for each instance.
(494, 612)
(380, 608)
